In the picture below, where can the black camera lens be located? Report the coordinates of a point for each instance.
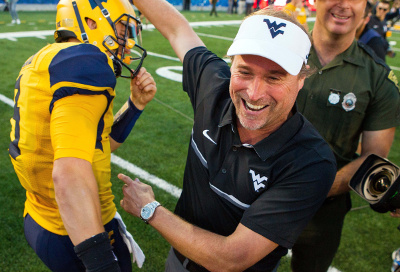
(380, 182)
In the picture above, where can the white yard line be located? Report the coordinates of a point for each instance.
(140, 173)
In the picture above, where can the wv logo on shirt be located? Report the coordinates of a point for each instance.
(257, 180)
(274, 28)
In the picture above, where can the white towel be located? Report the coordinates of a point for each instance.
(134, 249)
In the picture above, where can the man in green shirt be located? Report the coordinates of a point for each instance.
(351, 95)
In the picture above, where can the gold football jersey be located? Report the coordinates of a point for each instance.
(301, 15)
(63, 108)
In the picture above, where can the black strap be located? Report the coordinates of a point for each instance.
(189, 264)
(105, 12)
(78, 17)
(97, 255)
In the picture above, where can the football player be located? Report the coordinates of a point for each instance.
(63, 133)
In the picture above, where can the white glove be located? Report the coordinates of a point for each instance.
(134, 249)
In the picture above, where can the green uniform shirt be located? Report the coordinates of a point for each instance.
(351, 94)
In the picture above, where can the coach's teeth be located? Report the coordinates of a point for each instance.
(340, 17)
(254, 107)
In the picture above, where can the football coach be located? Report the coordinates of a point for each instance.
(256, 170)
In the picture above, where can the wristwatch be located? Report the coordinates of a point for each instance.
(148, 210)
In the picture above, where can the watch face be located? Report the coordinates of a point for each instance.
(145, 213)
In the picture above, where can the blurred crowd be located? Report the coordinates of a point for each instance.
(379, 18)
(374, 30)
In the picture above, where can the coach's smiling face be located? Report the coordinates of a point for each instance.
(263, 94)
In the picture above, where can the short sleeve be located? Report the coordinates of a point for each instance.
(383, 112)
(74, 123)
(204, 72)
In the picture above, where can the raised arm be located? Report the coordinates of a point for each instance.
(171, 24)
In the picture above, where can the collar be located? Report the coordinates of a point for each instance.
(351, 55)
(229, 115)
(270, 145)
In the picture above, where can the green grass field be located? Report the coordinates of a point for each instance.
(158, 145)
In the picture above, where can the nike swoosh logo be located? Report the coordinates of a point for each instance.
(205, 133)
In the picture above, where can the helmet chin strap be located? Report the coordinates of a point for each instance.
(117, 67)
(118, 64)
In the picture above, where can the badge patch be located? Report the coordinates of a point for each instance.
(334, 97)
(392, 77)
(349, 102)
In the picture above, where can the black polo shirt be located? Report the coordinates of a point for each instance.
(273, 187)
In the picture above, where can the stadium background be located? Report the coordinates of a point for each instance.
(158, 145)
(194, 3)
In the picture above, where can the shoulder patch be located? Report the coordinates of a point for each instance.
(392, 77)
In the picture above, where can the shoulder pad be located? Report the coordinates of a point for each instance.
(83, 64)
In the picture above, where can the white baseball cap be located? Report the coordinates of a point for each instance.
(273, 38)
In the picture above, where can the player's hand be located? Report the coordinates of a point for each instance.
(143, 88)
(136, 195)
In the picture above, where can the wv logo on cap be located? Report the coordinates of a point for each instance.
(274, 28)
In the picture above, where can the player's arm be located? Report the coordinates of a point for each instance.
(77, 198)
(143, 88)
(171, 24)
(372, 142)
(236, 252)
(73, 126)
